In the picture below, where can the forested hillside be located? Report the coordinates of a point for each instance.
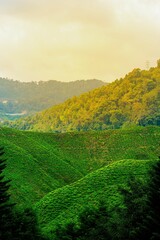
(38, 163)
(20, 98)
(135, 99)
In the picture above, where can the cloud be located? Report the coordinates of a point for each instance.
(68, 40)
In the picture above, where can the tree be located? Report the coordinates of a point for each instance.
(14, 225)
(5, 204)
(93, 224)
(142, 208)
(25, 226)
(134, 211)
(158, 63)
(152, 220)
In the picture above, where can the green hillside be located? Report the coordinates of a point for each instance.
(135, 99)
(65, 204)
(38, 163)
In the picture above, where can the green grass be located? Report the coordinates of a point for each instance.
(38, 163)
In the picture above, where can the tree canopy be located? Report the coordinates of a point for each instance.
(135, 99)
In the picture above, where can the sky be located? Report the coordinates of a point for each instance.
(69, 40)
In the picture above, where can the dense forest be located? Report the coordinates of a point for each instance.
(20, 98)
(133, 100)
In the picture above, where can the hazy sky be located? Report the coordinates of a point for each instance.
(68, 40)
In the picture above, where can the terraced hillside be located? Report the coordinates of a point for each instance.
(38, 163)
(64, 205)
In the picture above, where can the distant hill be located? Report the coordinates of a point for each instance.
(38, 163)
(19, 99)
(135, 99)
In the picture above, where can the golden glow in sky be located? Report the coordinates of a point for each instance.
(68, 40)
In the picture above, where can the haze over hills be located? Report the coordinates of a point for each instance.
(135, 99)
(19, 99)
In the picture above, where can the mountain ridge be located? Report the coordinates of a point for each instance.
(133, 100)
(25, 98)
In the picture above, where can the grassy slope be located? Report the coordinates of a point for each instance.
(41, 162)
(66, 203)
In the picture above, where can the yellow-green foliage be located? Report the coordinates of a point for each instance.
(33, 97)
(132, 100)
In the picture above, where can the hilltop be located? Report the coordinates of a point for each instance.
(38, 163)
(19, 99)
(133, 100)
